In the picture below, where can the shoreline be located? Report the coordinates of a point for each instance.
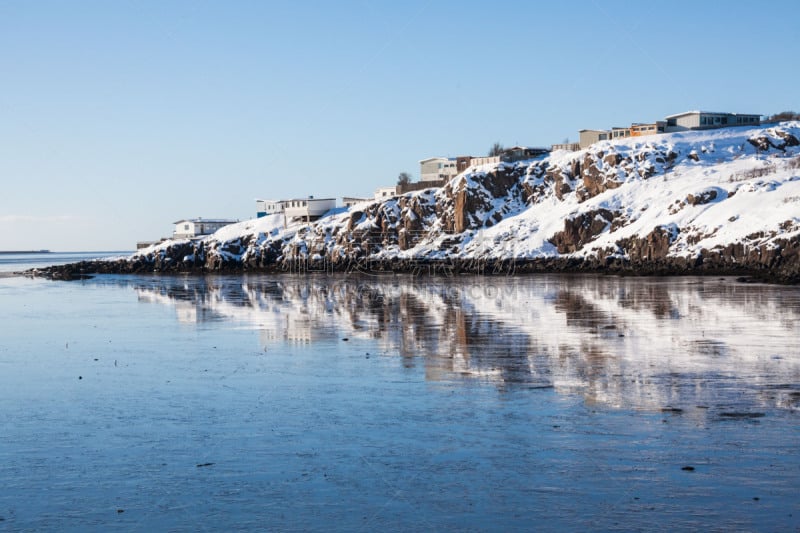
(668, 267)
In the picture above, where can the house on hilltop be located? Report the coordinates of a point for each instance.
(384, 193)
(510, 155)
(198, 227)
(350, 201)
(308, 209)
(438, 168)
(618, 132)
(699, 120)
(639, 129)
(521, 153)
(589, 137)
(297, 208)
(268, 207)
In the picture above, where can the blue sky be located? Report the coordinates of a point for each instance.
(118, 118)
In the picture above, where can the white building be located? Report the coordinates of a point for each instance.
(486, 160)
(350, 201)
(268, 207)
(198, 227)
(307, 208)
(697, 120)
(384, 193)
(438, 168)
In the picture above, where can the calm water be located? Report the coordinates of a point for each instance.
(399, 403)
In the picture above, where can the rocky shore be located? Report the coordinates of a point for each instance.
(774, 265)
(716, 202)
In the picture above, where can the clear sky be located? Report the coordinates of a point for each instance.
(119, 118)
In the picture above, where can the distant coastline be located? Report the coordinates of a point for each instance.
(17, 252)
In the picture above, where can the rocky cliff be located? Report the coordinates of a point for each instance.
(722, 201)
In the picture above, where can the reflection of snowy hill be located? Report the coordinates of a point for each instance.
(649, 344)
(718, 199)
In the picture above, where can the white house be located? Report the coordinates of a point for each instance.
(350, 201)
(384, 193)
(198, 227)
(307, 208)
(697, 120)
(268, 207)
(438, 168)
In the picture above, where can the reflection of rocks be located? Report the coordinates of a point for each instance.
(619, 342)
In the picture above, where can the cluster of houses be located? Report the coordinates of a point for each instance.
(690, 120)
(437, 171)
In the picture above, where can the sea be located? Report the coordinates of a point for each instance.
(367, 402)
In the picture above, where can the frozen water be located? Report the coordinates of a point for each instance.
(394, 402)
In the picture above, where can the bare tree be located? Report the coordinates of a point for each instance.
(404, 178)
(497, 149)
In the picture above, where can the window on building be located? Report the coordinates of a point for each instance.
(186, 227)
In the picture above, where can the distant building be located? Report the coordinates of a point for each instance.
(268, 207)
(570, 147)
(639, 129)
(420, 185)
(307, 209)
(698, 120)
(463, 162)
(589, 137)
(198, 227)
(486, 160)
(384, 193)
(438, 168)
(521, 153)
(620, 133)
(350, 201)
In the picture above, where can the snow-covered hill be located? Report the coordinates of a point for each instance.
(715, 200)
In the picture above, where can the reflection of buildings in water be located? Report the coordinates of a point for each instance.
(187, 312)
(619, 342)
(288, 329)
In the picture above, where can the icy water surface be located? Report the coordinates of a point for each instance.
(399, 403)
